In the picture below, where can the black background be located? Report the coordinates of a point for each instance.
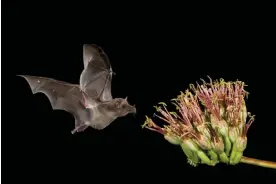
(154, 57)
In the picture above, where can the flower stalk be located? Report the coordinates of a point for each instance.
(257, 162)
(210, 123)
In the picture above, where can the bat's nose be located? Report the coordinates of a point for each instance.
(132, 109)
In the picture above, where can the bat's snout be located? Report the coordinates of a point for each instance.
(132, 109)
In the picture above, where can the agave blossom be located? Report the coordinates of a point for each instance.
(210, 123)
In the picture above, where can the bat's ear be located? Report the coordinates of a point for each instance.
(126, 99)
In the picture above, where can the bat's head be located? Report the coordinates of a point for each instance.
(121, 107)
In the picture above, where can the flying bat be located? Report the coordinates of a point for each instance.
(90, 102)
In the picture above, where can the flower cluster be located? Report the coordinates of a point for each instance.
(210, 123)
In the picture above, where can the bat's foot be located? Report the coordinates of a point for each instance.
(80, 128)
(74, 131)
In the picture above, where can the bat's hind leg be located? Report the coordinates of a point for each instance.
(80, 128)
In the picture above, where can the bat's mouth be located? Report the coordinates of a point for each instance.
(132, 110)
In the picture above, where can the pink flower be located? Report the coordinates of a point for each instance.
(211, 118)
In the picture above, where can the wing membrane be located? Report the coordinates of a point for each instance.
(62, 96)
(96, 77)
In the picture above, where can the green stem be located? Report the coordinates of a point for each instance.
(223, 158)
(261, 163)
(190, 153)
(205, 159)
(213, 155)
(232, 157)
(237, 158)
(227, 143)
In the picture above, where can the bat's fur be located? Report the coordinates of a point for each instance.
(91, 102)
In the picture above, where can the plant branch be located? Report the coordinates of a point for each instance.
(257, 162)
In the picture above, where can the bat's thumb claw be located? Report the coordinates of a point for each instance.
(73, 131)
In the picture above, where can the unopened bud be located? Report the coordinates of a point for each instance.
(227, 144)
(189, 143)
(223, 158)
(202, 128)
(243, 113)
(172, 139)
(195, 154)
(238, 148)
(204, 158)
(203, 142)
(241, 126)
(233, 133)
(235, 157)
(219, 125)
(241, 143)
(213, 155)
(190, 149)
(218, 145)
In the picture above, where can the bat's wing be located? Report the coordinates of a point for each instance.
(95, 79)
(62, 96)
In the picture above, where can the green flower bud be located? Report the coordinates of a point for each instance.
(204, 158)
(233, 133)
(218, 145)
(223, 158)
(202, 128)
(172, 139)
(227, 145)
(222, 127)
(213, 155)
(237, 150)
(241, 127)
(203, 142)
(190, 144)
(194, 153)
(235, 157)
(241, 143)
(219, 125)
(243, 113)
(190, 149)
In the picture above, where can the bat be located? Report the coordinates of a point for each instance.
(90, 102)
